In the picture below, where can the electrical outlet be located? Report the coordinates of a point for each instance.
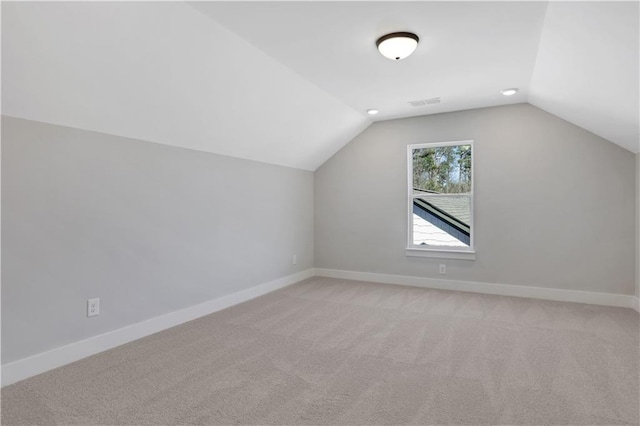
(294, 259)
(93, 307)
(443, 268)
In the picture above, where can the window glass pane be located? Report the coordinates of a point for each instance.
(442, 220)
(442, 170)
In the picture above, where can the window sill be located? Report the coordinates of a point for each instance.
(441, 254)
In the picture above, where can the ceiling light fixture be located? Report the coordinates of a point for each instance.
(372, 111)
(509, 92)
(396, 46)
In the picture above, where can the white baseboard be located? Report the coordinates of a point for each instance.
(45, 361)
(590, 297)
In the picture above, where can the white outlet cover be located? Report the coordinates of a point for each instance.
(93, 307)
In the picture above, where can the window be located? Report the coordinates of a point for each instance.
(440, 198)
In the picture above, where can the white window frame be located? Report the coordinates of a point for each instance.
(440, 252)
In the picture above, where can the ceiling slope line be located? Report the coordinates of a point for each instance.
(170, 75)
(587, 68)
(193, 5)
(535, 62)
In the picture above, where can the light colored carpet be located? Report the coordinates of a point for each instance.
(343, 352)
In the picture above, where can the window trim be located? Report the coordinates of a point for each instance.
(439, 252)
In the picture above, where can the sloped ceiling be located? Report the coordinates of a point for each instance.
(468, 52)
(164, 72)
(587, 69)
(288, 83)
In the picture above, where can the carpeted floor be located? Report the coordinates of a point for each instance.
(343, 352)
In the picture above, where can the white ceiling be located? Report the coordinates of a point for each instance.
(288, 83)
(467, 53)
(164, 72)
(587, 70)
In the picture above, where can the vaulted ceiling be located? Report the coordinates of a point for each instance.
(288, 83)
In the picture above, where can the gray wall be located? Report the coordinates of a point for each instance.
(145, 227)
(638, 225)
(554, 204)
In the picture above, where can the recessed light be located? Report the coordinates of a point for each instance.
(396, 46)
(372, 111)
(509, 92)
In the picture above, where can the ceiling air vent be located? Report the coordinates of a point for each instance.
(424, 102)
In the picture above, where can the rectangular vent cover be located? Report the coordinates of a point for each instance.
(424, 102)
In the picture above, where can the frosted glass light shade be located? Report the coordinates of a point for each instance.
(396, 46)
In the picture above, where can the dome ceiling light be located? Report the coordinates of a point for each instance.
(396, 46)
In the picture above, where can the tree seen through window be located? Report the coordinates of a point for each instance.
(442, 169)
